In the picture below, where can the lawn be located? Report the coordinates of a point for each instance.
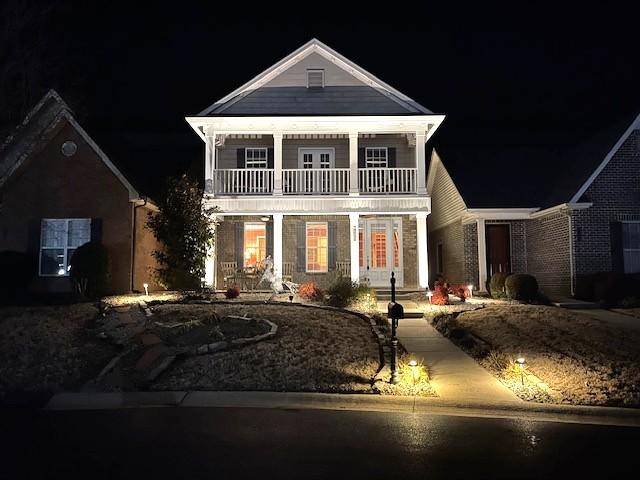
(45, 349)
(583, 360)
(314, 350)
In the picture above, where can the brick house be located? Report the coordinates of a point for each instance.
(320, 165)
(584, 218)
(58, 190)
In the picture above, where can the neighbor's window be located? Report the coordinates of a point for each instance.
(256, 158)
(255, 243)
(376, 157)
(317, 247)
(631, 246)
(59, 238)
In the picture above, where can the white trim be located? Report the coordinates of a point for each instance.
(306, 247)
(354, 246)
(266, 156)
(562, 208)
(303, 150)
(471, 214)
(314, 45)
(422, 245)
(635, 124)
(386, 156)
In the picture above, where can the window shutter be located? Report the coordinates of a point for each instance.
(269, 157)
(391, 157)
(362, 163)
(239, 245)
(33, 235)
(269, 232)
(96, 230)
(301, 247)
(617, 256)
(332, 233)
(240, 156)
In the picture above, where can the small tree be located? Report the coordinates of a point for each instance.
(90, 270)
(185, 229)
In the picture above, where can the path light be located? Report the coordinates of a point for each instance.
(522, 363)
(413, 364)
(146, 289)
(470, 287)
(429, 295)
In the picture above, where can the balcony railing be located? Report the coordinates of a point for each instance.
(243, 181)
(315, 181)
(387, 180)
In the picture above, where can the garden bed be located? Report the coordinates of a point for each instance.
(580, 360)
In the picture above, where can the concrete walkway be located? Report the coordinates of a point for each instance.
(455, 375)
(614, 318)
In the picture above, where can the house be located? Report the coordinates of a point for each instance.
(59, 190)
(321, 165)
(576, 213)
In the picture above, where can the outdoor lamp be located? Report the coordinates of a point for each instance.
(521, 362)
(429, 295)
(146, 289)
(265, 218)
(413, 364)
(470, 287)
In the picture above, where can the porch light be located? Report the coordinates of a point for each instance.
(146, 289)
(265, 218)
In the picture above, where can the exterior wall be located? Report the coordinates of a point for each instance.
(453, 253)
(410, 251)
(470, 236)
(446, 203)
(615, 194)
(144, 263)
(50, 185)
(296, 75)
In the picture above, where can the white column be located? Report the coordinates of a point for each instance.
(209, 163)
(482, 257)
(355, 247)
(277, 163)
(210, 264)
(353, 164)
(277, 245)
(421, 165)
(422, 244)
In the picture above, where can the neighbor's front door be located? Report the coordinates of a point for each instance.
(498, 248)
(381, 251)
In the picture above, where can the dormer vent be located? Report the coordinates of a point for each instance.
(315, 78)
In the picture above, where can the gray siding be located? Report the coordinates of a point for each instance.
(446, 202)
(296, 75)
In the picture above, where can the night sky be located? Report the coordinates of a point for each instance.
(528, 77)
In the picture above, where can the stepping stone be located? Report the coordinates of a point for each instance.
(149, 357)
(150, 339)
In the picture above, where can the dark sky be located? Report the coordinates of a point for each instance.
(530, 75)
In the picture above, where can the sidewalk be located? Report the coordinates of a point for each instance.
(614, 318)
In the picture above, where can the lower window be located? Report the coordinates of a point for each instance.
(59, 238)
(631, 246)
(317, 247)
(255, 243)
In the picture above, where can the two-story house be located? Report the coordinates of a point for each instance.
(321, 165)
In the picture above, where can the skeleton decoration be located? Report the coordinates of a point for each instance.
(276, 283)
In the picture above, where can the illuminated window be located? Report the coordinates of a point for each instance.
(317, 247)
(396, 246)
(361, 248)
(255, 243)
(378, 245)
(376, 157)
(256, 158)
(59, 238)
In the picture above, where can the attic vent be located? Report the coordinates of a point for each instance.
(315, 78)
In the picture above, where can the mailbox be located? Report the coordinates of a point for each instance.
(395, 310)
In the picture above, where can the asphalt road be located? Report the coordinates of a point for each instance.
(219, 443)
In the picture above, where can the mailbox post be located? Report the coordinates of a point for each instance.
(395, 312)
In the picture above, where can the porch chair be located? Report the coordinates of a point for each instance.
(229, 270)
(287, 271)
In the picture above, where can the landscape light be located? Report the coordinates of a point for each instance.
(429, 295)
(61, 271)
(413, 364)
(521, 362)
(146, 289)
(470, 287)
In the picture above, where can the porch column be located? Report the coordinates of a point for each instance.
(209, 163)
(482, 256)
(421, 240)
(421, 166)
(353, 164)
(277, 164)
(210, 263)
(355, 246)
(277, 245)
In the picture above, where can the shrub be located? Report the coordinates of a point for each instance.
(17, 269)
(460, 291)
(232, 292)
(311, 291)
(440, 293)
(496, 285)
(364, 298)
(90, 270)
(521, 286)
(341, 292)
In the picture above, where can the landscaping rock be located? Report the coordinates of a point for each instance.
(160, 368)
(149, 357)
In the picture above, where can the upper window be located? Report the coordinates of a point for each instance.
(376, 157)
(631, 246)
(315, 78)
(255, 243)
(256, 158)
(317, 247)
(59, 238)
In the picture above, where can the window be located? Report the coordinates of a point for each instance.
(255, 243)
(59, 238)
(361, 246)
(378, 245)
(631, 246)
(376, 157)
(439, 258)
(315, 78)
(256, 158)
(317, 247)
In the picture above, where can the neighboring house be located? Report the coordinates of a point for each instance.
(576, 213)
(321, 165)
(58, 190)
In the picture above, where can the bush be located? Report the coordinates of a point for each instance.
(496, 285)
(460, 291)
(440, 293)
(232, 292)
(18, 269)
(364, 298)
(341, 292)
(90, 270)
(311, 291)
(521, 286)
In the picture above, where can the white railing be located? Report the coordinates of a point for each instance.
(387, 180)
(243, 181)
(318, 181)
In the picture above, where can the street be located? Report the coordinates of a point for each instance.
(271, 443)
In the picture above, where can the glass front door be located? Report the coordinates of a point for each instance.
(380, 242)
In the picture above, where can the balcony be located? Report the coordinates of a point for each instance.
(315, 181)
(243, 181)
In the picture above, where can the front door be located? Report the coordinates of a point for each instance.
(381, 251)
(498, 248)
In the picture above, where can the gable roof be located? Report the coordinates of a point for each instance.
(37, 129)
(372, 97)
